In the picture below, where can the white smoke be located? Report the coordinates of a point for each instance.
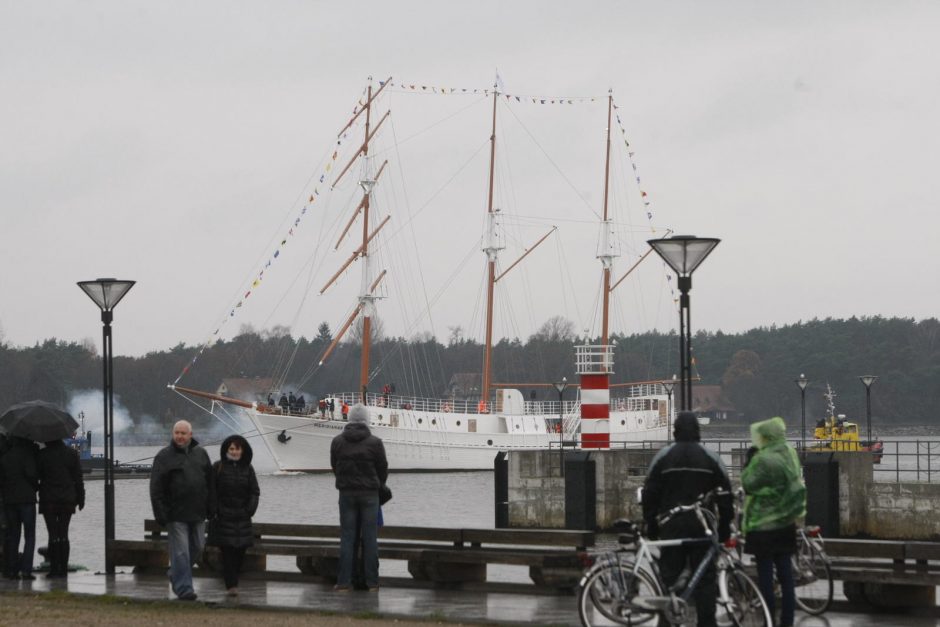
(91, 403)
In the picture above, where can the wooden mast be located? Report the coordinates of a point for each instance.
(605, 257)
(491, 252)
(366, 296)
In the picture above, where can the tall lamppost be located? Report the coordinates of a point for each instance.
(802, 382)
(867, 380)
(668, 385)
(561, 422)
(107, 293)
(684, 253)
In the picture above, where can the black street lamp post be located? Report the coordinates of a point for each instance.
(107, 293)
(561, 423)
(668, 385)
(802, 382)
(867, 380)
(684, 253)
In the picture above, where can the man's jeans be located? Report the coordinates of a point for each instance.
(19, 517)
(358, 509)
(185, 541)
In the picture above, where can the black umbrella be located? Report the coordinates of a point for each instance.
(39, 421)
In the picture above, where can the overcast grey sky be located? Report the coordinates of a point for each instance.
(170, 143)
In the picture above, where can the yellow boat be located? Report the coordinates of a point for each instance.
(835, 433)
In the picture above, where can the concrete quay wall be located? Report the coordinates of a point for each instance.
(891, 511)
(904, 510)
(537, 487)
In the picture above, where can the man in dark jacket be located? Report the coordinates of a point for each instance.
(19, 480)
(361, 468)
(678, 475)
(180, 493)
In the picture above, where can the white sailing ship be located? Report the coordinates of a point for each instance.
(433, 434)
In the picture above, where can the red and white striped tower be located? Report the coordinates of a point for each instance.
(595, 364)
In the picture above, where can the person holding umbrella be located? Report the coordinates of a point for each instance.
(24, 424)
(61, 489)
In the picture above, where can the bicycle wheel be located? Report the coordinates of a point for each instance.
(740, 603)
(812, 578)
(607, 594)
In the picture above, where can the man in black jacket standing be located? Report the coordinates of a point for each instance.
(678, 475)
(361, 468)
(19, 480)
(180, 486)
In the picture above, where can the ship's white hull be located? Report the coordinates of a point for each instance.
(433, 441)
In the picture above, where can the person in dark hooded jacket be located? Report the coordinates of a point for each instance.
(19, 480)
(678, 475)
(61, 489)
(361, 468)
(236, 501)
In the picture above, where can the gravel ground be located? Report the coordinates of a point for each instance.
(59, 609)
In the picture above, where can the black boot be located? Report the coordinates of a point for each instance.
(52, 550)
(55, 559)
(64, 549)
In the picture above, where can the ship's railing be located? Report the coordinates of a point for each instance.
(633, 402)
(639, 389)
(451, 405)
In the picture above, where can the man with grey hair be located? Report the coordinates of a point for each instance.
(361, 468)
(180, 485)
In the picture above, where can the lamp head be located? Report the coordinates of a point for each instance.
(106, 293)
(684, 253)
(802, 382)
(867, 380)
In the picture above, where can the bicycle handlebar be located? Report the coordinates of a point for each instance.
(696, 507)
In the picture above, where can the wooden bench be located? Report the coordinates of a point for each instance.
(886, 573)
(437, 557)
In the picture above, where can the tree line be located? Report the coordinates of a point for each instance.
(757, 368)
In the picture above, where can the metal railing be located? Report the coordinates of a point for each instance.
(915, 460)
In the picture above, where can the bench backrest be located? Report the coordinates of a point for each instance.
(474, 537)
(532, 537)
(883, 549)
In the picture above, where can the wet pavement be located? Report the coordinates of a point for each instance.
(401, 602)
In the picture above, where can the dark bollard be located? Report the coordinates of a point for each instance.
(821, 472)
(580, 492)
(501, 489)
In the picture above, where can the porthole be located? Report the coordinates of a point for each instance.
(458, 423)
(517, 427)
(433, 421)
(489, 442)
(420, 420)
(623, 422)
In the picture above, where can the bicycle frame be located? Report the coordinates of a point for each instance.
(644, 557)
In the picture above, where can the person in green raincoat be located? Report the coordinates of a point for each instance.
(775, 500)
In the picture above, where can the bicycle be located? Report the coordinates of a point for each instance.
(624, 587)
(811, 572)
(812, 576)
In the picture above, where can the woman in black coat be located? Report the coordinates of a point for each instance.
(236, 494)
(61, 490)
